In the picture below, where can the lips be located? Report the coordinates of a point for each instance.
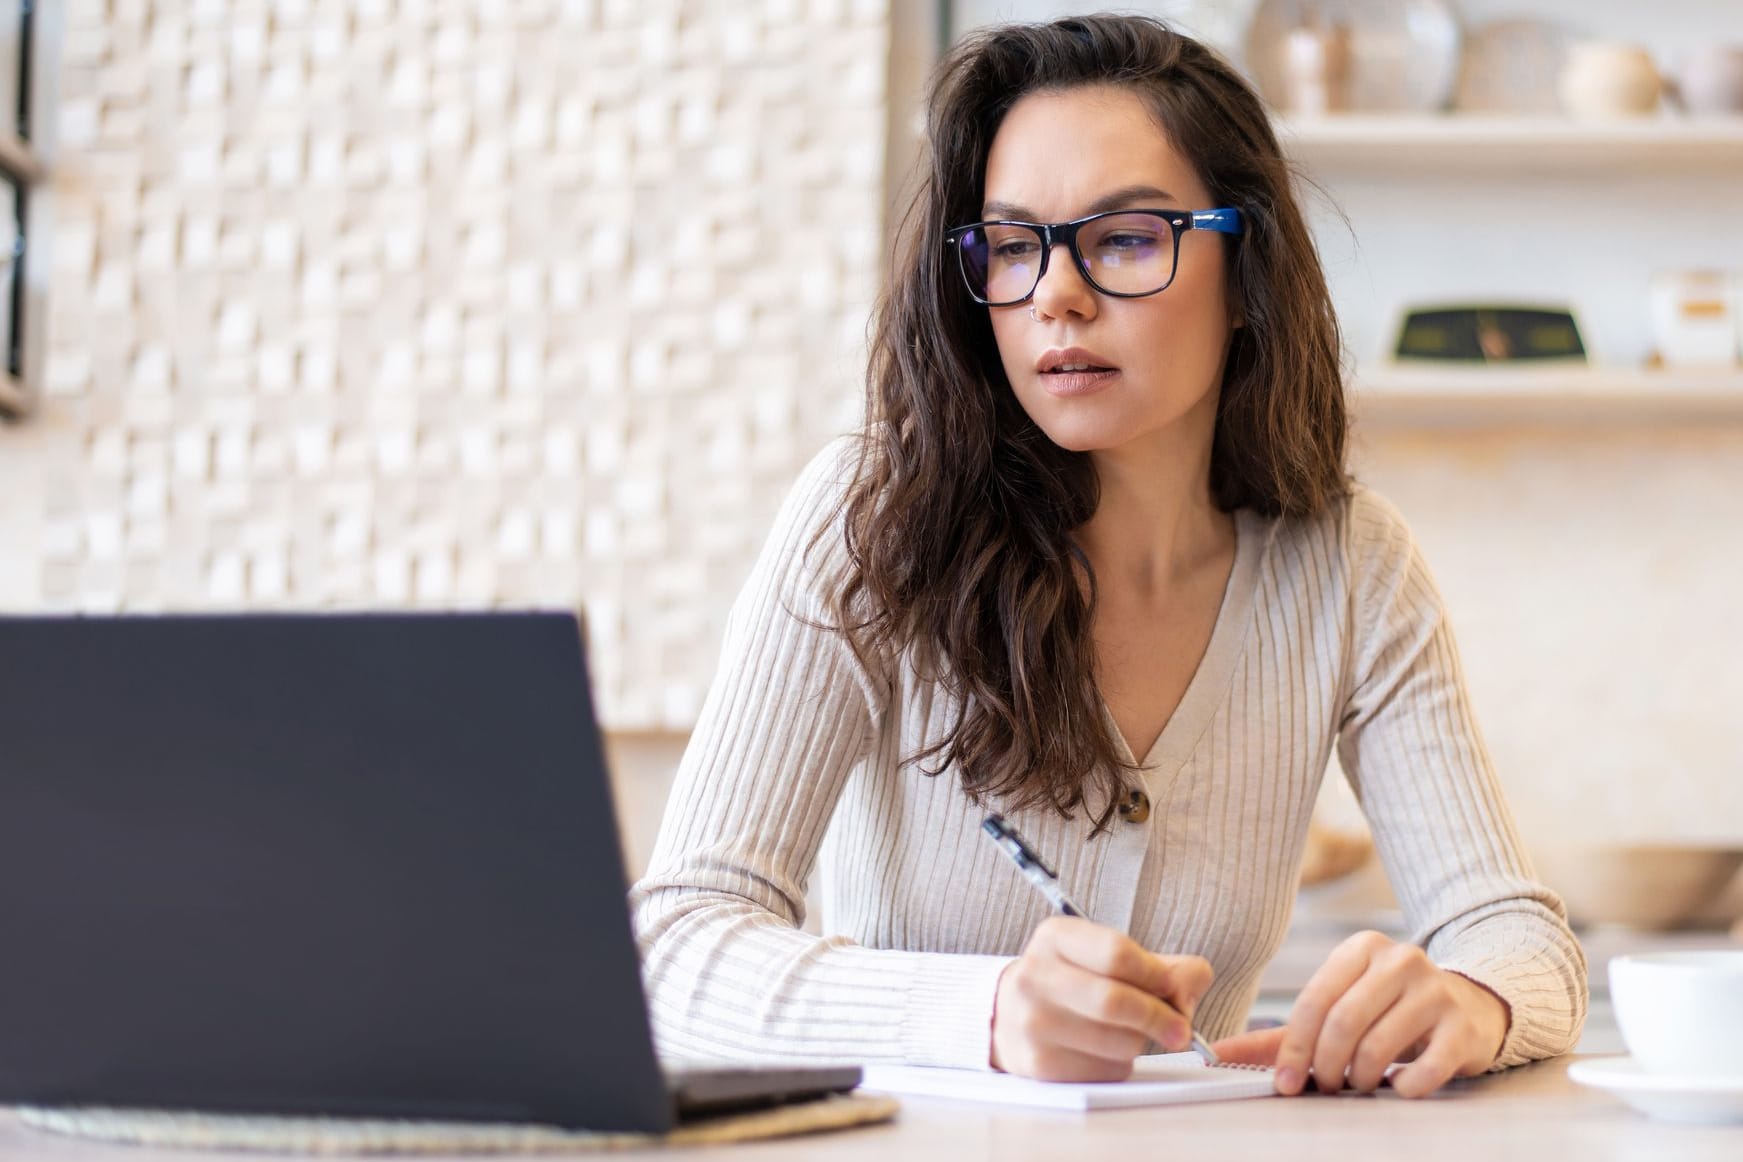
(1071, 360)
(1074, 371)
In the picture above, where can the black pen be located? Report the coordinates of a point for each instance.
(1046, 881)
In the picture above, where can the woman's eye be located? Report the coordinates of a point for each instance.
(1128, 241)
(1014, 250)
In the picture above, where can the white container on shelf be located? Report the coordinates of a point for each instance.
(1711, 80)
(1696, 318)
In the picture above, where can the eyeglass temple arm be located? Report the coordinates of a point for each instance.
(1225, 221)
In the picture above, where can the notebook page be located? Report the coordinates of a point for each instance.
(1162, 1079)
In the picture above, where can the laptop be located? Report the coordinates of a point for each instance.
(338, 864)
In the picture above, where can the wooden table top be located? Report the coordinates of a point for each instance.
(1534, 1112)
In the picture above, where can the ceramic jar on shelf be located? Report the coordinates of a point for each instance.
(1607, 79)
(1710, 81)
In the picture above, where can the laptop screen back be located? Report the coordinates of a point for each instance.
(347, 864)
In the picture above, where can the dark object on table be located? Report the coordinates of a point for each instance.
(359, 864)
(1490, 334)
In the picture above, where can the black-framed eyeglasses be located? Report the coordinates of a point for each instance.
(1124, 253)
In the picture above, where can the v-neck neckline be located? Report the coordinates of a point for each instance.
(1209, 682)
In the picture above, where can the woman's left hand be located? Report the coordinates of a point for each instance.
(1373, 1003)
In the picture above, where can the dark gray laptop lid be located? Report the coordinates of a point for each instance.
(353, 864)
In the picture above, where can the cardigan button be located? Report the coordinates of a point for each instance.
(1136, 808)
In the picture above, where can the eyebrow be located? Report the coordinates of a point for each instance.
(1124, 196)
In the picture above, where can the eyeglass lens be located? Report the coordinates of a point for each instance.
(1129, 254)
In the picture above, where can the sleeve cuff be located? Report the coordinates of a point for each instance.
(1535, 1030)
(949, 1015)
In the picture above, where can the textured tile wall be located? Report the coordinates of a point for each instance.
(433, 303)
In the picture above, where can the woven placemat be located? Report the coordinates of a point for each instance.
(312, 1135)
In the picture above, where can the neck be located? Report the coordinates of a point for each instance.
(1156, 523)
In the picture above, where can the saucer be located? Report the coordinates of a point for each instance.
(1674, 1097)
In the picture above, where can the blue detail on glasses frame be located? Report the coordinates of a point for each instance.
(973, 249)
(1223, 221)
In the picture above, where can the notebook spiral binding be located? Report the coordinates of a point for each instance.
(1239, 1065)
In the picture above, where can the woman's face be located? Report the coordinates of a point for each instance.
(1062, 155)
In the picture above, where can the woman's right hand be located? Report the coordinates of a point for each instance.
(1082, 1002)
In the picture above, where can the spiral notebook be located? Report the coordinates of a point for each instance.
(1161, 1079)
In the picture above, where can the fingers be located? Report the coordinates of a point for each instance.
(1056, 1063)
(1375, 1003)
(1082, 1001)
(1113, 1044)
(1463, 1042)
(1179, 980)
(1346, 965)
(1049, 1023)
(1103, 1000)
(1432, 1069)
(1256, 1048)
(1391, 1039)
(1349, 1023)
(1041, 1025)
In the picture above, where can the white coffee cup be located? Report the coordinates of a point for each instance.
(1681, 1012)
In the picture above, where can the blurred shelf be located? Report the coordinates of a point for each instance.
(1396, 396)
(1511, 145)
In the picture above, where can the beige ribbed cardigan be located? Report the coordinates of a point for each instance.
(1330, 632)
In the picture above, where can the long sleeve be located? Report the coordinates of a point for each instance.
(791, 713)
(1411, 748)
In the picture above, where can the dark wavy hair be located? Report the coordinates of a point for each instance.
(959, 520)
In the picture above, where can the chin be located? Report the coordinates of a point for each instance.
(1074, 440)
(1102, 424)
(1088, 425)
(1085, 437)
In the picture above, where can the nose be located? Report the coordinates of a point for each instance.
(1063, 290)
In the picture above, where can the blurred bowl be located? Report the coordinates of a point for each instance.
(1724, 909)
(1654, 887)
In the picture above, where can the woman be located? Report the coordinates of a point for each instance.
(1095, 564)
